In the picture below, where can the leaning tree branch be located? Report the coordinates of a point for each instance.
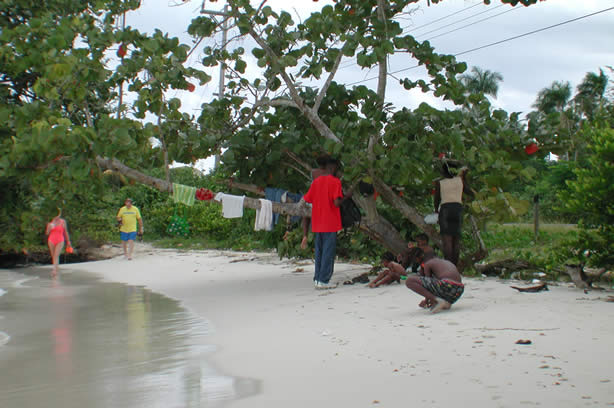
(302, 163)
(276, 102)
(329, 80)
(409, 212)
(383, 64)
(381, 84)
(308, 112)
(251, 188)
(240, 123)
(164, 186)
(297, 169)
(116, 165)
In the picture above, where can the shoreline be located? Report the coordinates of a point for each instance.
(355, 346)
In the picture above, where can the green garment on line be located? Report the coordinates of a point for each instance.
(183, 194)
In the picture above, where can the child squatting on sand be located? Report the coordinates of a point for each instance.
(438, 281)
(392, 273)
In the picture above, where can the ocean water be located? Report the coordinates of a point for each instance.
(76, 341)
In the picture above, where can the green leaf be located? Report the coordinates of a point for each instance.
(240, 66)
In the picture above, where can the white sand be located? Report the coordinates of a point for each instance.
(360, 347)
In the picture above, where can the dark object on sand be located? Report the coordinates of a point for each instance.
(362, 278)
(584, 277)
(536, 288)
(523, 341)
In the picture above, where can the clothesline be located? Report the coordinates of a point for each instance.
(294, 209)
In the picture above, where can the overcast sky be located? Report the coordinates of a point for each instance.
(528, 64)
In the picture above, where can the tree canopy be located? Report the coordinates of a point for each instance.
(64, 121)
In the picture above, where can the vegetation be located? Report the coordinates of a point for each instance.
(72, 138)
(590, 197)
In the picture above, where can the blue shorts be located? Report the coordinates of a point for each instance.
(127, 236)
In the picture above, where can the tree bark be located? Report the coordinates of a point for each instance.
(582, 277)
(409, 212)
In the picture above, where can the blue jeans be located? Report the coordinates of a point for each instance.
(326, 246)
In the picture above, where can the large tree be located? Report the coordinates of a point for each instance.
(60, 88)
(265, 124)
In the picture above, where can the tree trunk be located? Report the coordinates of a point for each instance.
(583, 277)
(409, 212)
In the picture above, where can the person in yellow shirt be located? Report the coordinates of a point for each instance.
(127, 216)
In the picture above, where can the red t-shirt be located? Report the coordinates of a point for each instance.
(325, 216)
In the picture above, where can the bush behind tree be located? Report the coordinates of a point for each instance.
(590, 197)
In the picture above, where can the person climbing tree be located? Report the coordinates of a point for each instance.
(448, 202)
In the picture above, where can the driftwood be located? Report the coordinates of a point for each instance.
(583, 277)
(506, 265)
(532, 289)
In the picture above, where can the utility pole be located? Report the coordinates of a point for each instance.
(222, 80)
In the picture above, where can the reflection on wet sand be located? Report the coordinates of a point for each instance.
(78, 342)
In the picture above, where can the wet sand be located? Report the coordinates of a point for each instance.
(79, 342)
(360, 347)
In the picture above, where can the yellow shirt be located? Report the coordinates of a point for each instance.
(129, 217)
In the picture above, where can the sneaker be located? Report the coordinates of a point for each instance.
(316, 284)
(440, 305)
(322, 285)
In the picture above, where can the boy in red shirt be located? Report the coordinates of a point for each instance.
(325, 195)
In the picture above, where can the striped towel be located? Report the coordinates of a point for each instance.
(183, 194)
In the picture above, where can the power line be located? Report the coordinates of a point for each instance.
(474, 23)
(499, 42)
(535, 31)
(350, 63)
(462, 19)
(443, 18)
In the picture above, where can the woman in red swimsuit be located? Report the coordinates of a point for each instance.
(57, 232)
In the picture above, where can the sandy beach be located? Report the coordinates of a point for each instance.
(358, 347)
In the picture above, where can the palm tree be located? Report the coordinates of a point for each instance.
(555, 117)
(591, 91)
(482, 81)
(553, 99)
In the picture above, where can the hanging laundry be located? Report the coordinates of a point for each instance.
(232, 206)
(294, 198)
(274, 195)
(278, 195)
(264, 216)
(183, 194)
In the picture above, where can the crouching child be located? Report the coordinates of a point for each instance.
(392, 273)
(438, 280)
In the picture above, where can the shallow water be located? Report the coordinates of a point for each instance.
(75, 341)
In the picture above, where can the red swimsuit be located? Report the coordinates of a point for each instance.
(56, 235)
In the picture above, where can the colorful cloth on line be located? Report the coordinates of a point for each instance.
(448, 290)
(232, 206)
(183, 194)
(264, 216)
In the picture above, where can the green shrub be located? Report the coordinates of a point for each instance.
(590, 197)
